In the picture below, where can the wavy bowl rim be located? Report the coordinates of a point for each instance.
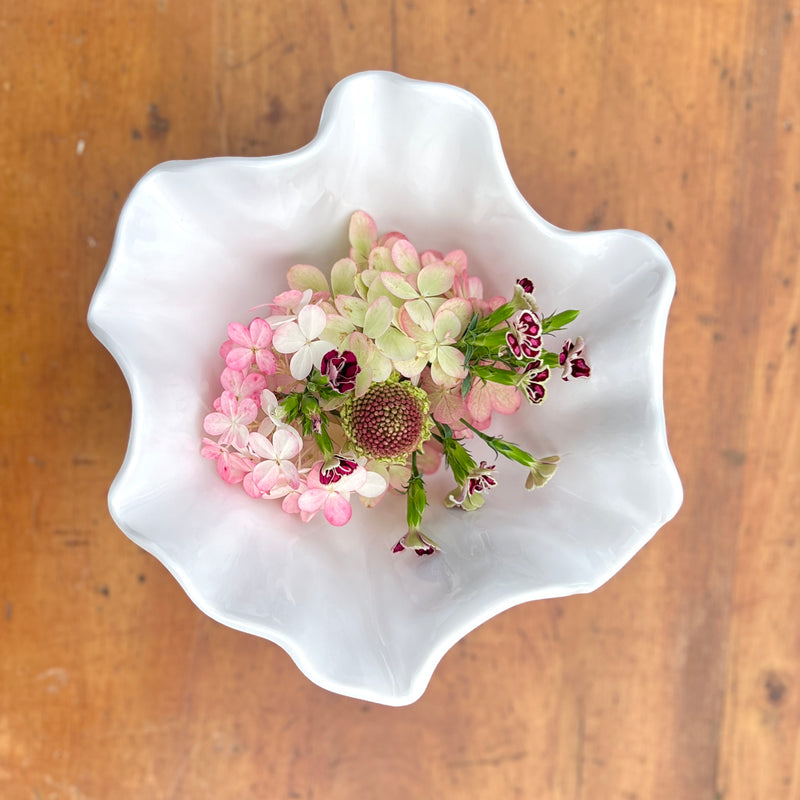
(424, 672)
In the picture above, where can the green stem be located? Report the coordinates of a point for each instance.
(509, 450)
(416, 499)
(505, 376)
(497, 316)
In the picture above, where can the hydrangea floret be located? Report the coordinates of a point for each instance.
(360, 384)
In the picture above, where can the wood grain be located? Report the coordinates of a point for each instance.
(680, 679)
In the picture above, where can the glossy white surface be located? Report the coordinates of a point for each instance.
(201, 242)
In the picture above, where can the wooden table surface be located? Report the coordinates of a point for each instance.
(679, 679)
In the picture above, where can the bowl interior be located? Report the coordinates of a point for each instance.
(202, 243)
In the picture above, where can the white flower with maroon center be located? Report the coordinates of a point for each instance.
(524, 340)
(572, 361)
(532, 380)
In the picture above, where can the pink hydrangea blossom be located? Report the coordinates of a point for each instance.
(241, 385)
(277, 458)
(250, 345)
(231, 421)
(231, 467)
(333, 498)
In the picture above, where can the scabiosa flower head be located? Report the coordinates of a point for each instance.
(571, 360)
(532, 380)
(390, 421)
(524, 339)
(341, 370)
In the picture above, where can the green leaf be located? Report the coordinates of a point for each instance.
(549, 359)
(556, 322)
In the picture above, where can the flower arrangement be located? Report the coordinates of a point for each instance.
(367, 383)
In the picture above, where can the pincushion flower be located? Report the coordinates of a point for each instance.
(388, 422)
(300, 338)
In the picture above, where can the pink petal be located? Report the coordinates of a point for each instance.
(252, 384)
(266, 362)
(250, 487)
(261, 446)
(239, 358)
(362, 233)
(232, 379)
(287, 443)
(312, 500)
(286, 300)
(228, 404)
(265, 475)
(290, 473)
(231, 468)
(429, 256)
(226, 347)
(247, 411)
(210, 449)
(505, 399)
(404, 256)
(457, 259)
(260, 332)
(289, 504)
(239, 334)
(216, 423)
(337, 510)
(478, 401)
